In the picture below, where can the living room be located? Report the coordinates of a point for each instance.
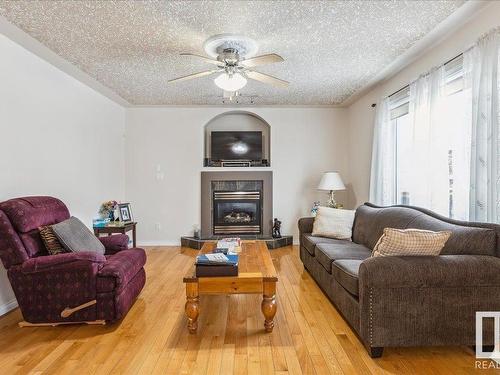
(338, 102)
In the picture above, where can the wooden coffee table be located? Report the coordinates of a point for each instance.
(256, 274)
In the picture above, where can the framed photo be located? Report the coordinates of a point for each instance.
(125, 212)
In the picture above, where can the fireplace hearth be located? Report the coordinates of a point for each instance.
(237, 212)
(236, 205)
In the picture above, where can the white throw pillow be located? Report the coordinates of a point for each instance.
(333, 223)
(410, 242)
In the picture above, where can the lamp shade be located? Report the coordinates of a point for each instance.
(231, 83)
(331, 181)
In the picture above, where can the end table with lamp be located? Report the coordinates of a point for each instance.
(331, 181)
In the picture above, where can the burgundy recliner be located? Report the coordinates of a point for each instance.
(70, 287)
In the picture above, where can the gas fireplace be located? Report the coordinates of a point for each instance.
(236, 203)
(237, 212)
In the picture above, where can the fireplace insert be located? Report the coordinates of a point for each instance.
(237, 212)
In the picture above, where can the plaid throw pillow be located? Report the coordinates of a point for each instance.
(50, 240)
(413, 242)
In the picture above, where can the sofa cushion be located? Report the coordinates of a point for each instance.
(119, 269)
(33, 243)
(29, 213)
(370, 222)
(333, 223)
(327, 253)
(75, 236)
(309, 241)
(346, 271)
(466, 238)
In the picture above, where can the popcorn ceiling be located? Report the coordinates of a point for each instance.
(331, 48)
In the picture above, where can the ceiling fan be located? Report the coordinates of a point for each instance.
(232, 56)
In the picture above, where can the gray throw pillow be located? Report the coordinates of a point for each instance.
(76, 237)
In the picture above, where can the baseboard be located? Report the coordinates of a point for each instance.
(173, 243)
(159, 243)
(9, 306)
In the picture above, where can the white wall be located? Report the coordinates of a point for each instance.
(59, 137)
(304, 143)
(361, 114)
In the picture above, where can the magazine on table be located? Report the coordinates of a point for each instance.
(217, 259)
(231, 244)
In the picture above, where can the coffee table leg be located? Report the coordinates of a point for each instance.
(268, 305)
(192, 306)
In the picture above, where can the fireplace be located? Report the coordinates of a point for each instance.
(237, 212)
(236, 203)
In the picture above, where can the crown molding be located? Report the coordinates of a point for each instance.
(237, 106)
(429, 41)
(34, 46)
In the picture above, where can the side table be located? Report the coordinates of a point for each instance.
(118, 228)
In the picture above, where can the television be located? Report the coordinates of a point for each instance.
(236, 145)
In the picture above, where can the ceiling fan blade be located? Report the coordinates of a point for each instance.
(205, 59)
(266, 78)
(262, 60)
(195, 75)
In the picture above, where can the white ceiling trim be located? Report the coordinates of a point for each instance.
(34, 46)
(428, 42)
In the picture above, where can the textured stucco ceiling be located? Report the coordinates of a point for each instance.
(331, 48)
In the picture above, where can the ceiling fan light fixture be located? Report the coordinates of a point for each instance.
(232, 82)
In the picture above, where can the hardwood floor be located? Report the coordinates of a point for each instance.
(309, 337)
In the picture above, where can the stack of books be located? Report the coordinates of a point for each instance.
(216, 264)
(229, 246)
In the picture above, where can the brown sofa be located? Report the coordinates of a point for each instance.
(408, 301)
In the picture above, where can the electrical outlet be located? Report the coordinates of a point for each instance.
(158, 227)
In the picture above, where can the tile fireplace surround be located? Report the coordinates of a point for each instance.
(233, 181)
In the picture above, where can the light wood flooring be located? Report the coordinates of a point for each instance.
(310, 336)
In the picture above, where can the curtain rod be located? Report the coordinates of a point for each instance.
(406, 86)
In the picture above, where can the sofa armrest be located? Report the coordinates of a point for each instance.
(60, 261)
(429, 271)
(306, 224)
(115, 243)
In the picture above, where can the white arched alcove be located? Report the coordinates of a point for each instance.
(239, 121)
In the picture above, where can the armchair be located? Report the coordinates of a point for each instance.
(82, 287)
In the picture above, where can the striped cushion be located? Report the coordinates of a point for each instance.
(50, 240)
(413, 242)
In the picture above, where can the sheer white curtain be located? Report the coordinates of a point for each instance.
(481, 64)
(383, 173)
(425, 154)
(428, 162)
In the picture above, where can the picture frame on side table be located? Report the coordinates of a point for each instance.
(125, 212)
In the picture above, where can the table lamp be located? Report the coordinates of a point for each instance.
(331, 181)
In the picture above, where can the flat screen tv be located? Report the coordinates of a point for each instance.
(236, 145)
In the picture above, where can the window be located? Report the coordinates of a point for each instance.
(433, 172)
